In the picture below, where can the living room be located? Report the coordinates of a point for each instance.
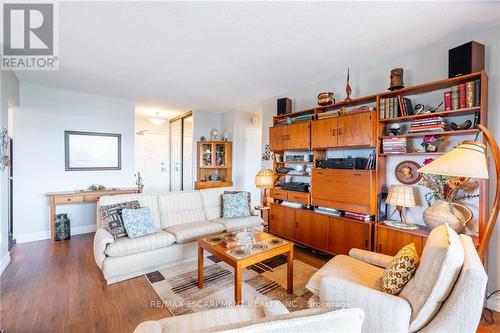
(272, 176)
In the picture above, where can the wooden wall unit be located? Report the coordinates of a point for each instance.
(293, 196)
(390, 240)
(351, 190)
(290, 137)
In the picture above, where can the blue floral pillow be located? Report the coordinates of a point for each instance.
(235, 205)
(138, 222)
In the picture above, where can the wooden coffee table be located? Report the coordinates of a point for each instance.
(266, 246)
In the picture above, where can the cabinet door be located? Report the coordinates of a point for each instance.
(324, 133)
(312, 229)
(277, 138)
(355, 130)
(282, 222)
(345, 235)
(298, 136)
(390, 241)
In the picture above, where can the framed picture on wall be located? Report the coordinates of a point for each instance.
(91, 151)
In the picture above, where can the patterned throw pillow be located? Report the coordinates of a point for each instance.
(112, 220)
(234, 192)
(400, 270)
(235, 205)
(138, 222)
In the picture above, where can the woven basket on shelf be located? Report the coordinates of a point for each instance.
(454, 214)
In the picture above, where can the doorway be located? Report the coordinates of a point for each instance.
(181, 153)
(151, 160)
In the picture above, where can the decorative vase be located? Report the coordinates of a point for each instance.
(62, 227)
(431, 148)
(441, 212)
(326, 98)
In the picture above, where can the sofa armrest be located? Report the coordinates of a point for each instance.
(101, 239)
(148, 327)
(254, 212)
(373, 258)
(383, 312)
(274, 308)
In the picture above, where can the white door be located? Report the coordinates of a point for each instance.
(153, 161)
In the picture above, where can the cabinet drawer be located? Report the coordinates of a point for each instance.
(278, 193)
(300, 197)
(62, 200)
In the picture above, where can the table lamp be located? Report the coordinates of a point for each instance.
(469, 160)
(264, 180)
(401, 196)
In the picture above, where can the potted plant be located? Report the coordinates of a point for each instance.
(431, 143)
(442, 197)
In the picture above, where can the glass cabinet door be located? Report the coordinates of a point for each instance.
(220, 154)
(206, 155)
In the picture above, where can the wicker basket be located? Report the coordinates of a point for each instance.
(454, 214)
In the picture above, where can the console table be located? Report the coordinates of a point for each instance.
(79, 196)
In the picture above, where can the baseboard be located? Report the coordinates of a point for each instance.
(494, 303)
(5, 262)
(41, 235)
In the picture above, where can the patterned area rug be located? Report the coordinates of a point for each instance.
(178, 286)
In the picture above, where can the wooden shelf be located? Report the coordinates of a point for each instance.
(412, 154)
(292, 174)
(295, 162)
(459, 112)
(431, 86)
(445, 133)
(354, 101)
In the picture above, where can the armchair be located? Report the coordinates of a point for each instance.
(445, 295)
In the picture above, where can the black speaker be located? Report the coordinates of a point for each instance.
(284, 106)
(465, 59)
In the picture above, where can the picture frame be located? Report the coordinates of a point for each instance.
(92, 151)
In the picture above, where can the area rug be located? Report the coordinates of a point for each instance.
(177, 286)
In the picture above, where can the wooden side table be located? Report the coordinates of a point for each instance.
(78, 197)
(264, 214)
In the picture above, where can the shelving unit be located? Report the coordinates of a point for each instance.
(214, 164)
(458, 112)
(445, 133)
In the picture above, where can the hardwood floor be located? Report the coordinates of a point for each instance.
(54, 288)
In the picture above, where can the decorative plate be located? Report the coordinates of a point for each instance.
(406, 172)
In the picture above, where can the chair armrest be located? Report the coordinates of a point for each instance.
(373, 258)
(101, 239)
(383, 312)
(148, 327)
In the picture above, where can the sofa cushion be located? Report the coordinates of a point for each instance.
(400, 270)
(240, 223)
(235, 205)
(149, 200)
(350, 269)
(112, 219)
(181, 207)
(188, 232)
(138, 222)
(439, 267)
(127, 246)
(212, 201)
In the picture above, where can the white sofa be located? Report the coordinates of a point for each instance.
(180, 218)
(270, 317)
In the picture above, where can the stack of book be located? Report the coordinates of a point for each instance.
(429, 124)
(357, 216)
(393, 107)
(394, 145)
(329, 211)
(329, 114)
(363, 108)
(465, 95)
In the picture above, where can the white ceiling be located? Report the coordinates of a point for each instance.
(230, 56)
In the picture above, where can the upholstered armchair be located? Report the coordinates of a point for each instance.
(446, 293)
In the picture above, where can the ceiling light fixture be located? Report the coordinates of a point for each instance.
(157, 120)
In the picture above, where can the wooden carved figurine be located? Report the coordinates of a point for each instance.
(348, 89)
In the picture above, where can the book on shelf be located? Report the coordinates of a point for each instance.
(382, 109)
(328, 114)
(387, 108)
(394, 107)
(469, 94)
(477, 92)
(394, 145)
(476, 119)
(461, 96)
(430, 124)
(357, 216)
(454, 98)
(447, 100)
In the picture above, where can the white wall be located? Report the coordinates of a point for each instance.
(427, 65)
(9, 86)
(247, 148)
(43, 116)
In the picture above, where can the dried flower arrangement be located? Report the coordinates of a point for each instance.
(449, 189)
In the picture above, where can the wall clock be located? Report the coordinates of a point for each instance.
(406, 172)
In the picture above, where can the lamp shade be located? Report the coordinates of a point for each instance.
(466, 160)
(264, 179)
(401, 195)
